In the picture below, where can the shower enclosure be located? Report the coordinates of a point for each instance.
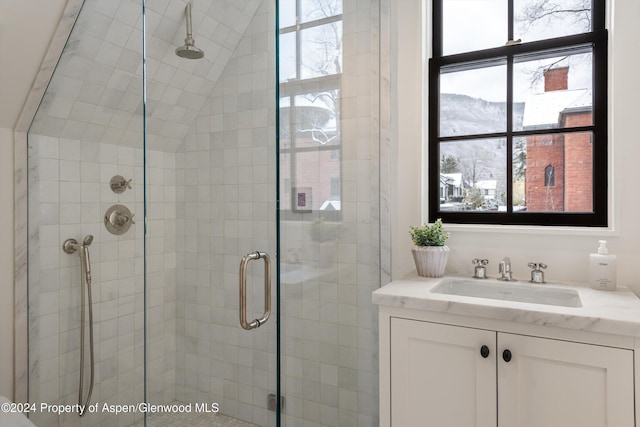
(225, 177)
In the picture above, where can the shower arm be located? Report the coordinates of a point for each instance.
(189, 25)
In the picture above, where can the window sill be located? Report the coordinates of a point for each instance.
(529, 229)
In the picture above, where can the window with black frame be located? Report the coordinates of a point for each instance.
(518, 91)
(310, 67)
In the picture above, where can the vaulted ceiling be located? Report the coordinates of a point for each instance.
(96, 92)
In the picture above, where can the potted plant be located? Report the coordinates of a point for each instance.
(430, 253)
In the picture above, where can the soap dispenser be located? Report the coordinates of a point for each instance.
(602, 269)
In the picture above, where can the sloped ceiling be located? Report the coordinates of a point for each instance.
(96, 92)
(26, 28)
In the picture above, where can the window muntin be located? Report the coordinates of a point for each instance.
(584, 54)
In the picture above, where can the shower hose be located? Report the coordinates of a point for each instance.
(85, 267)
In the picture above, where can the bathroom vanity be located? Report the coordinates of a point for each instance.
(466, 352)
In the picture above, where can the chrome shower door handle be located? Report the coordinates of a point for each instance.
(243, 290)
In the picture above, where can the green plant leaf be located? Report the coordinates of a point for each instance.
(429, 235)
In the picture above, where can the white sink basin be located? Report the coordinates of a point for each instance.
(509, 291)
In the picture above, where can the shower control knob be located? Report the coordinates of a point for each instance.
(118, 219)
(119, 184)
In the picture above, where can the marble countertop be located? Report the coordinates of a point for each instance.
(613, 312)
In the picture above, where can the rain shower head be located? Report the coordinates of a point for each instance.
(189, 50)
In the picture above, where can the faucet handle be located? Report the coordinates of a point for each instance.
(537, 275)
(480, 271)
(537, 265)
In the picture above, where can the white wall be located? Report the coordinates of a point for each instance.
(565, 251)
(6, 262)
(29, 24)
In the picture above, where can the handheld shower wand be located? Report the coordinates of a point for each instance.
(85, 257)
(70, 246)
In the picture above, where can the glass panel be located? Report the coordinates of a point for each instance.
(311, 10)
(558, 174)
(286, 13)
(88, 130)
(321, 50)
(473, 175)
(553, 92)
(215, 203)
(316, 119)
(473, 101)
(316, 184)
(538, 20)
(329, 250)
(470, 25)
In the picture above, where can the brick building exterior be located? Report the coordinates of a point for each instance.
(559, 173)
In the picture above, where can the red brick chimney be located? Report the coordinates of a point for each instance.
(556, 79)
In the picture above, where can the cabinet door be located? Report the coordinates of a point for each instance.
(559, 383)
(439, 377)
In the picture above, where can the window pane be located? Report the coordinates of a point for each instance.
(311, 10)
(321, 50)
(285, 123)
(553, 92)
(558, 172)
(316, 119)
(469, 25)
(319, 173)
(473, 101)
(472, 175)
(286, 13)
(287, 57)
(538, 20)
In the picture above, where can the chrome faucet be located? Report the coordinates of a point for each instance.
(505, 269)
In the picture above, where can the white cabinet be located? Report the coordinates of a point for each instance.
(447, 375)
(438, 376)
(559, 383)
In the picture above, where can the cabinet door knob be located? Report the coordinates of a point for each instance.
(506, 355)
(484, 351)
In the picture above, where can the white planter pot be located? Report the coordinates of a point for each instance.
(431, 261)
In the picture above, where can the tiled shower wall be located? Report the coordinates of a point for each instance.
(69, 194)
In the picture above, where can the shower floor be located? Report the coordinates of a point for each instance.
(192, 420)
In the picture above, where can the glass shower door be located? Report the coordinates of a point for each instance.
(210, 153)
